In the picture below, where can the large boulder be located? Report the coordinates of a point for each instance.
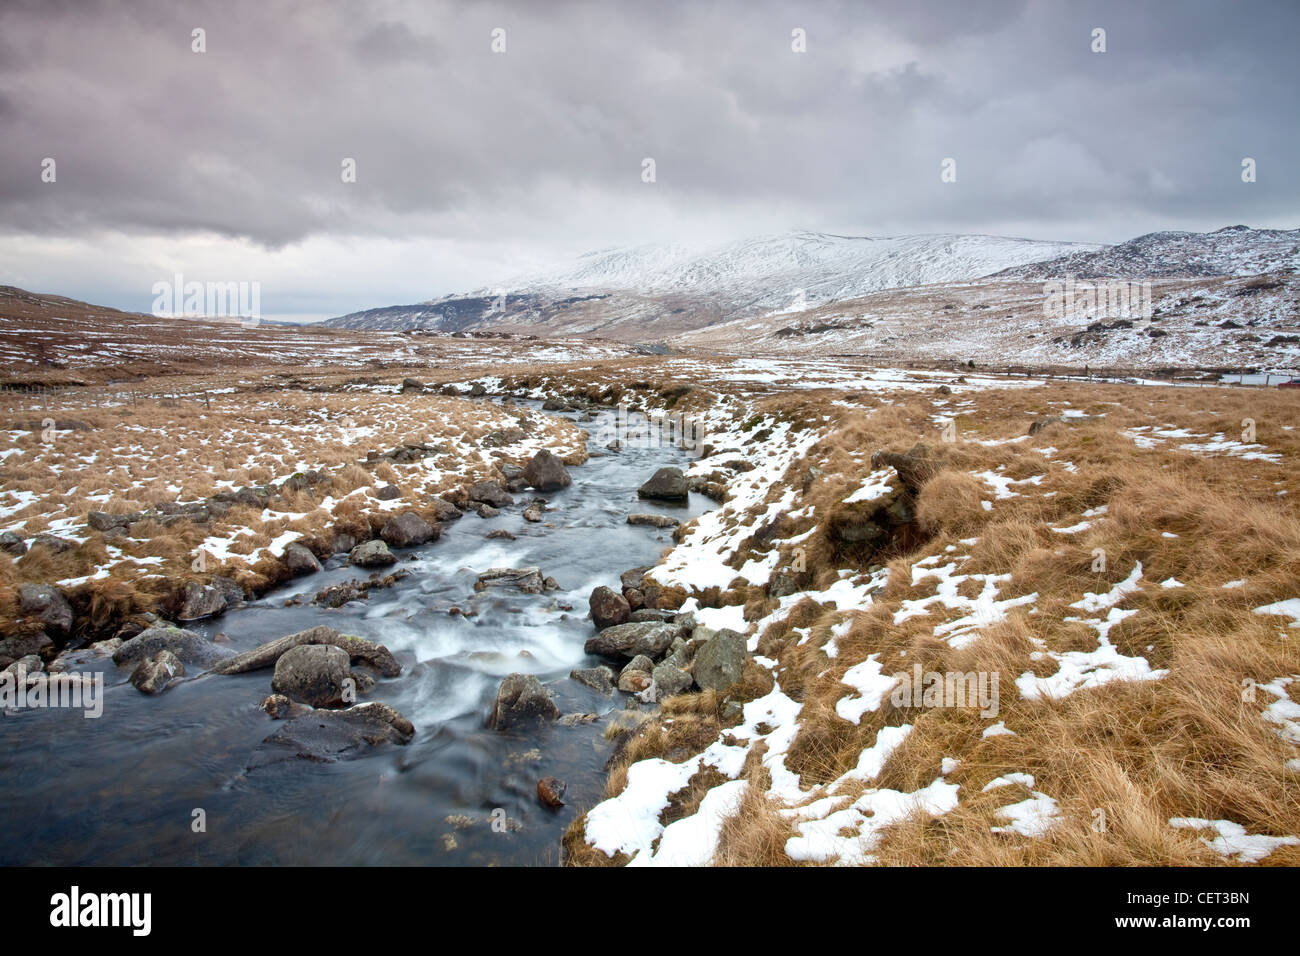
(720, 662)
(101, 521)
(637, 675)
(300, 561)
(546, 472)
(628, 640)
(313, 674)
(198, 601)
(48, 605)
(608, 608)
(329, 735)
(490, 493)
(358, 649)
(408, 530)
(372, 554)
(666, 484)
(188, 647)
(521, 699)
(528, 580)
(153, 674)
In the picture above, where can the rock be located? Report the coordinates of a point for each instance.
(444, 510)
(329, 735)
(781, 584)
(412, 385)
(373, 655)
(300, 561)
(550, 792)
(408, 530)
(637, 675)
(577, 720)
(632, 578)
(48, 605)
(710, 489)
(644, 614)
(12, 544)
(52, 543)
(29, 664)
(654, 521)
(546, 472)
(25, 643)
(477, 390)
(1037, 426)
(510, 472)
(343, 542)
(503, 436)
(230, 589)
(501, 533)
(551, 584)
(599, 679)
(198, 601)
(388, 493)
(490, 493)
(608, 608)
(666, 484)
(629, 640)
(101, 521)
(313, 674)
(914, 468)
(153, 674)
(372, 554)
(487, 511)
(533, 514)
(185, 645)
(528, 580)
(635, 599)
(720, 661)
(278, 707)
(671, 680)
(521, 699)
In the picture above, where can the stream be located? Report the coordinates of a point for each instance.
(123, 789)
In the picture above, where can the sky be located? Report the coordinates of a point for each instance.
(491, 139)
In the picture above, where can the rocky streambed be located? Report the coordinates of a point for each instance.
(461, 698)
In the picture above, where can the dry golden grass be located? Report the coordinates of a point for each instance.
(1139, 753)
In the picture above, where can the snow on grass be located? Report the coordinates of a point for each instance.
(872, 686)
(1288, 608)
(1284, 712)
(983, 610)
(1031, 817)
(1232, 840)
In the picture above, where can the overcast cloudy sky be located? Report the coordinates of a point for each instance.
(474, 165)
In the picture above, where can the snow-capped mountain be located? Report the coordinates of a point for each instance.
(649, 291)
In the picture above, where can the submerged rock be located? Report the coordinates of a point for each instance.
(372, 554)
(666, 484)
(153, 674)
(313, 674)
(546, 472)
(187, 646)
(528, 580)
(326, 736)
(550, 792)
(521, 699)
(653, 520)
(373, 655)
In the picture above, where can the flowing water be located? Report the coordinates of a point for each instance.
(124, 788)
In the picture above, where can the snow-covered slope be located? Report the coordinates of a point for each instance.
(1230, 251)
(649, 291)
